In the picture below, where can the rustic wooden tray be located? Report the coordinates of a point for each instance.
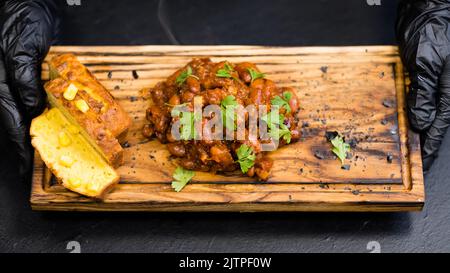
(358, 91)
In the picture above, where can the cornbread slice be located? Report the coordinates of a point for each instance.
(83, 109)
(69, 155)
(114, 117)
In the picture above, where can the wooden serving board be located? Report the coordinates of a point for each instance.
(358, 91)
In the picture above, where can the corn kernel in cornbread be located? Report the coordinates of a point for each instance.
(64, 139)
(92, 186)
(70, 92)
(73, 129)
(82, 105)
(78, 166)
(74, 182)
(66, 161)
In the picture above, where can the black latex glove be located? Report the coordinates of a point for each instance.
(423, 31)
(28, 28)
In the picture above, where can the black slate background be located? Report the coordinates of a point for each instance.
(282, 22)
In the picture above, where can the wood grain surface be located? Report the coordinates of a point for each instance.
(357, 91)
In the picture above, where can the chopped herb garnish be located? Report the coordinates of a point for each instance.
(229, 117)
(340, 148)
(181, 178)
(273, 118)
(255, 74)
(225, 72)
(229, 100)
(283, 101)
(285, 133)
(287, 96)
(280, 132)
(246, 157)
(184, 75)
(187, 126)
(277, 128)
(187, 122)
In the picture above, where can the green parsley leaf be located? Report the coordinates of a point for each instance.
(340, 148)
(255, 74)
(246, 157)
(287, 96)
(225, 72)
(285, 133)
(229, 100)
(283, 101)
(272, 119)
(187, 122)
(281, 132)
(187, 126)
(229, 117)
(184, 75)
(181, 178)
(277, 128)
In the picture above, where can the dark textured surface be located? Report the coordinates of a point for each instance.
(230, 22)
